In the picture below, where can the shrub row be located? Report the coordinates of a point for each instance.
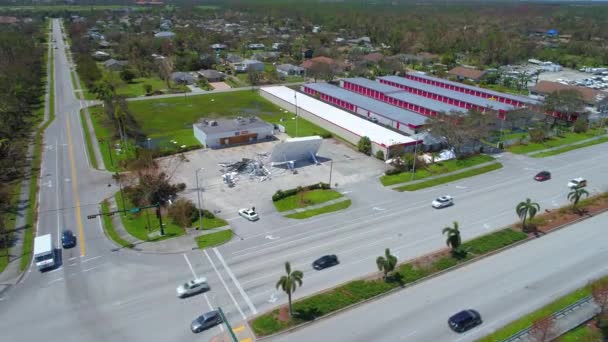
(280, 194)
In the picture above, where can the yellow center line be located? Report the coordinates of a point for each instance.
(75, 190)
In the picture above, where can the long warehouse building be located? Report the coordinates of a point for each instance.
(339, 122)
(377, 111)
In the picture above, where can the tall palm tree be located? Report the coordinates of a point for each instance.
(386, 263)
(453, 240)
(289, 282)
(527, 209)
(575, 195)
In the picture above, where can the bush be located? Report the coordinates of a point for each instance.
(494, 241)
(380, 154)
(127, 75)
(365, 145)
(581, 125)
(537, 135)
(392, 172)
(280, 194)
(183, 212)
(444, 263)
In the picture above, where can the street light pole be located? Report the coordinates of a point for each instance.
(415, 157)
(331, 167)
(198, 194)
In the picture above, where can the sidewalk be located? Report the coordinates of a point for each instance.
(316, 206)
(529, 154)
(12, 273)
(178, 244)
(444, 174)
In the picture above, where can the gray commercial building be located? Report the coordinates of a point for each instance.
(228, 132)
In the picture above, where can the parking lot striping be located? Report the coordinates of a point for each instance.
(211, 307)
(190, 265)
(224, 283)
(91, 259)
(409, 335)
(236, 282)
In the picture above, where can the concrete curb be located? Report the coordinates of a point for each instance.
(453, 268)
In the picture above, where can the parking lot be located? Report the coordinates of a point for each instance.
(349, 166)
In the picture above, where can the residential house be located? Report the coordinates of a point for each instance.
(115, 65)
(219, 47)
(308, 64)
(360, 41)
(104, 44)
(212, 75)
(8, 20)
(277, 46)
(182, 78)
(256, 46)
(233, 59)
(373, 58)
(248, 64)
(596, 99)
(164, 35)
(463, 73)
(308, 53)
(267, 56)
(101, 55)
(290, 70)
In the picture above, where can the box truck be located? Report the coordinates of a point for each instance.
(44, 253)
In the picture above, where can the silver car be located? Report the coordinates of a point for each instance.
(443, 201)
(192, 287)
(206, 321)
(249, 214)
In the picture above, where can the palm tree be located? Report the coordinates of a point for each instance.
(386, 263)
(527, 209)
(575, 195)
(289, 282)
(453, 240)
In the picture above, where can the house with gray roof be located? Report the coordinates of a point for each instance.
(290, 70)
(115, 65)
(212, 75)
(164, 35)
(248, 64)
(182, 78)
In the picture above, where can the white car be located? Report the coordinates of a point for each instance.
(577, 183)
(249, 214)
(443, 201)
(192, 287)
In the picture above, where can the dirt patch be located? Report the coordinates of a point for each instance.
(553, 219)
(426, 262)
(283, 315)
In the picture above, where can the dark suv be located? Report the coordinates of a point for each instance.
(325, 261)
(68, 240)
(464, 320)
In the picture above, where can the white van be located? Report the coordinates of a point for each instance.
(44, 252)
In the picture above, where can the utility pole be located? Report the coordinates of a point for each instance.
(331, 166)
(234, 339)
(415, 159)
(198, 194)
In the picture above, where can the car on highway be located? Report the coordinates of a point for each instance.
(443, 201)
(325, 262)
(542, 176)
(192, 287)
(577, 183)
(464, 320)
(206, 321)
(249, 214)
(68, 240)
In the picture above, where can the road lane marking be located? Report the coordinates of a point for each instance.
(236, 282)
(224, 283)
(190, 265)
(75, 189)
(248, 339)
(57, 192)
(91, 259)
(54, 281)
(92, 268)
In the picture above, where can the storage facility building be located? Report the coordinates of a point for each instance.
(395, 117)
(341, 123)
(229, 132)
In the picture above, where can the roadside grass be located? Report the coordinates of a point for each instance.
(172, 118)
(145, 222)
(450, 178)
(306, 198)
(436, 169)
(503, 89)
(84, 89)
(108, 227)
(208, 223)
(107, 141)
(582, 333)
(213, 239)
(295, 127)
(10, 221)
(87, 140)
(294, 79)
(323, 210)
(326, 302)
(229, 81)
(135, 88)
(568, 138)
(569, 148)
(547, 310)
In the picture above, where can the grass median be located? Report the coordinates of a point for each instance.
(214, 239)
(450, 178)
(306, 198)
(570, 148)
(108, 227)
(435, 169)
(144, 225)
(87, 140)
(566, 138)
(321, 304)
(319, 211)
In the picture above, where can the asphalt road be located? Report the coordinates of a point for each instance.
(502, 288)
(103, 294)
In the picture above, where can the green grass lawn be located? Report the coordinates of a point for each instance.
(87, 140)
(305, 199)
(570, 148)
(323, 210)
(141, 224)
(108, 227)
(172, 118)
(450, 178)
(213, 239)
(107, 140)
(568, 138)
(503, 89)
(135, 88)
(10, 217)
(211, 223)
(436, 169)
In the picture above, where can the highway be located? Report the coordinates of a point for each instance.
(101, 293)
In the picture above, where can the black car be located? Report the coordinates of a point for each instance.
(325, 262)
(206, 321)
(464, 320)
(68, 240)
(543, 176)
